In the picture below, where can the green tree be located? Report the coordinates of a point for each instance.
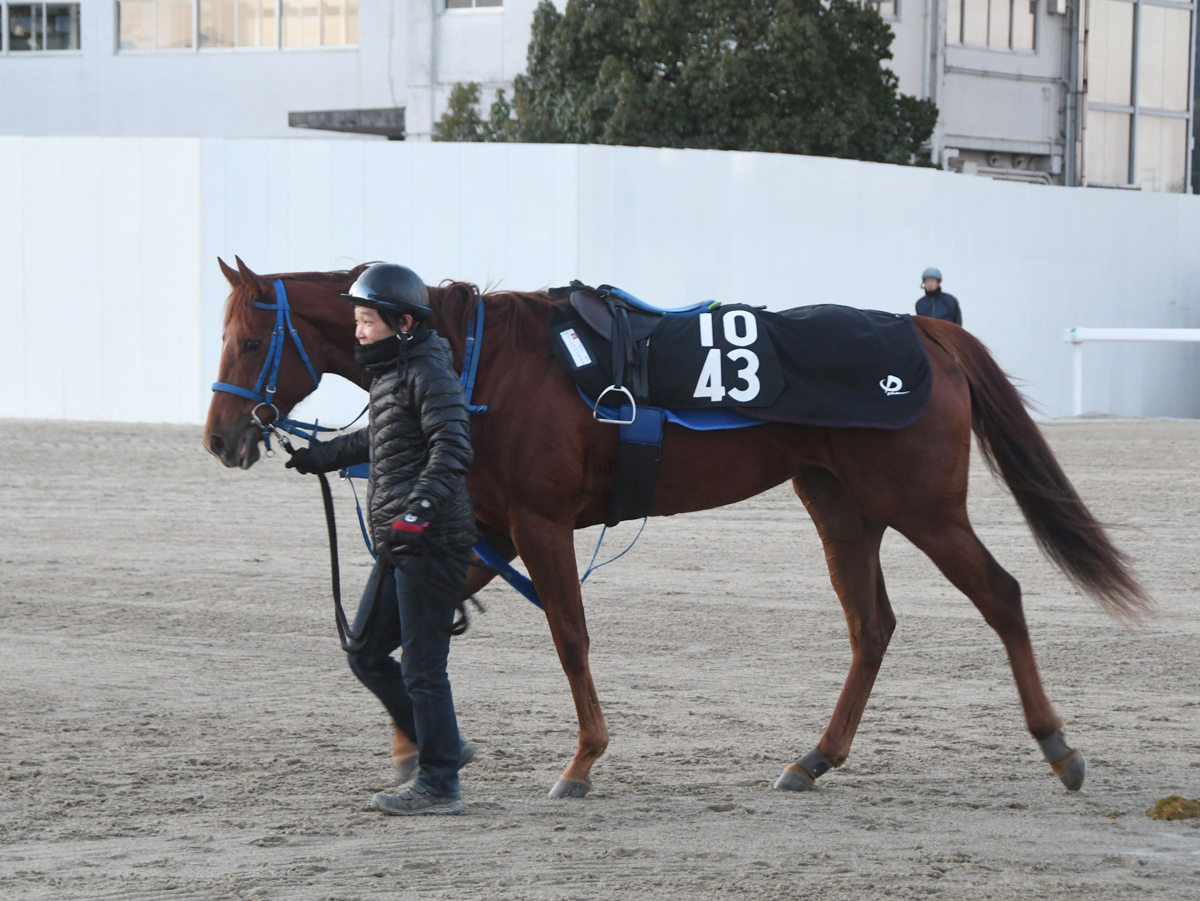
(788, 76)
(461, 121)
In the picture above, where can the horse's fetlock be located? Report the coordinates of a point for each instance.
(593, 748)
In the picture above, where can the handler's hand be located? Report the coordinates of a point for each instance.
(408, 533)
(302, 461)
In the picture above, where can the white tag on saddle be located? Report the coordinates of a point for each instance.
(575, 348)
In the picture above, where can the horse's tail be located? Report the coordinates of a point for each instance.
(1016, 451)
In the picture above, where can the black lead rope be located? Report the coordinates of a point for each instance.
(352, 642)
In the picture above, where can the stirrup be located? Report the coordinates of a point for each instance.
(632, 404)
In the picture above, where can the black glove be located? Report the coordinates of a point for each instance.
(407, 533)
(301, 461)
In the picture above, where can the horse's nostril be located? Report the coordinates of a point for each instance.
(217, 445)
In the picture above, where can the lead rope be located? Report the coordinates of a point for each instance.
(352, 642)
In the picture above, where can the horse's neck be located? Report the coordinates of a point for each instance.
(334, 321)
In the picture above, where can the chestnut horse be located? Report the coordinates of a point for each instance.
(543, 469)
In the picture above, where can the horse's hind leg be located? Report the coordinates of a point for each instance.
(957, 551)
(852, 551)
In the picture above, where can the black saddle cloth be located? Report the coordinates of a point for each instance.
(824, 365)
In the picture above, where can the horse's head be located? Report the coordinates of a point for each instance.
(325, 325)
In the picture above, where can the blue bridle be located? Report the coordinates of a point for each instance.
(263, 393)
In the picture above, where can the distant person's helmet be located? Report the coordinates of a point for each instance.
(393, 290)
(932, 272)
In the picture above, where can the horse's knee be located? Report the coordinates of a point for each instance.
(873, 641)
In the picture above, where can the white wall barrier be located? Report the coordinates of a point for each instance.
(111, 300)
(1076, 337)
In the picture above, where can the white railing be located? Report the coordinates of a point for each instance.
(1078, 336)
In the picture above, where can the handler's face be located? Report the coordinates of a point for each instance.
(931, 284)
(369, 326)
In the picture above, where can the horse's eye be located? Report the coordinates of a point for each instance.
(250, 345)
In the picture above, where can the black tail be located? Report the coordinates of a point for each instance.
(1016, 451)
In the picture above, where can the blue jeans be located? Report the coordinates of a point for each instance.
(415, 691)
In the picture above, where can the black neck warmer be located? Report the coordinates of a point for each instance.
(381, 353)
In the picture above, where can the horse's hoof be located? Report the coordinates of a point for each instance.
(1068, 764)
(791, 781)
(570, 788)
(1071, 770)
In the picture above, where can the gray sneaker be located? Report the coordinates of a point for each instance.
(406, 769)
(414, 799)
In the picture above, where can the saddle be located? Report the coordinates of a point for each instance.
(627, 323)
(825, 365)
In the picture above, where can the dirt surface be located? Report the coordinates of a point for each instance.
(178, 721)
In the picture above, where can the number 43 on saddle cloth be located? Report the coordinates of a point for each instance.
(824, 365)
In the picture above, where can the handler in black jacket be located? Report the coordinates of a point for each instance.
(418, 443)
(936, 303)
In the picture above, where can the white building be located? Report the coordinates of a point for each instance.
(238, 68)
(1095, 92)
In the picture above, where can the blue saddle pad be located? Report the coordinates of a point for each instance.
(690, 310)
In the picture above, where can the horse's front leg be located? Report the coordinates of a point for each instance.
(548, 549)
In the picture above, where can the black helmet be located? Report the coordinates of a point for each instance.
(393, 290)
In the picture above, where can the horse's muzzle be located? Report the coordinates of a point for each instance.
(241, 452)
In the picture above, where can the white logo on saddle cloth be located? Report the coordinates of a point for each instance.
(575, 347)
(891, 386)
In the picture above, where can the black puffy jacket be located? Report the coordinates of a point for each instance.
(418, 442)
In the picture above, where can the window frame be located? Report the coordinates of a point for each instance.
(471, 10)
(993, 48)
(277, 47)
(4, 37)
(895, 17)
(1134, 109)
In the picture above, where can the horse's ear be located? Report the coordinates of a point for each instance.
(231, 275)
(249, 279)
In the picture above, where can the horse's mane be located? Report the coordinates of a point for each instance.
(240, 309)
(524, 315)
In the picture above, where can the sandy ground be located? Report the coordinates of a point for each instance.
(177, 720)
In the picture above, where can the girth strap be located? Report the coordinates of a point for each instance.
(635, 472)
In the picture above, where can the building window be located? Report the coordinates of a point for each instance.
(34, 27)
(155, 24)
(231, 24)
(888, 9)
(313, 23)
(1000, 24)
(473, 4)
(1138, 116)
(237, 23)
